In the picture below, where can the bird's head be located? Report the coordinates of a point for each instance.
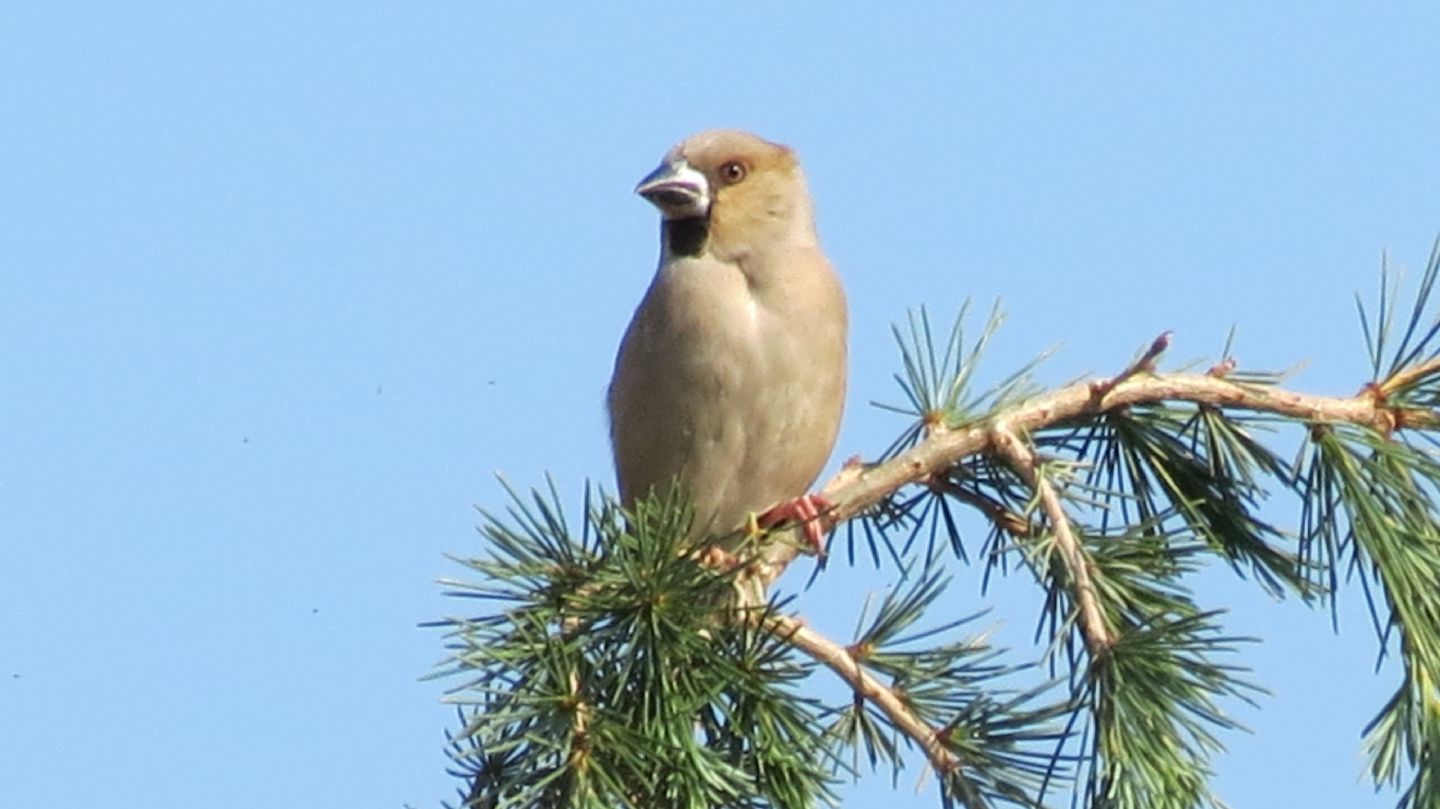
(731, 194)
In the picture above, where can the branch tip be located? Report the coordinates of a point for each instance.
(1144, 365)
(1222, 369)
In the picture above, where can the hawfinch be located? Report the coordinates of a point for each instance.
(730, 379)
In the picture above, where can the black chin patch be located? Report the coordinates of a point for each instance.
(686, 237)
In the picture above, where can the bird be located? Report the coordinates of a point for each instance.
(730, 379)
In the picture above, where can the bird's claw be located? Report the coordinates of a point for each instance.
(806, 510)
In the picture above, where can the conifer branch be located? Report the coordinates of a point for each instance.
(852, 492)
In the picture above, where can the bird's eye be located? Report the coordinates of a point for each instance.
(732, 172)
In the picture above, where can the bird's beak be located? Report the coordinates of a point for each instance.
(677, 189)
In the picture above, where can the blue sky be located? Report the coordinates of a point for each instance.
(283, 285)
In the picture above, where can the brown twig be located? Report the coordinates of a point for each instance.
(1003, 518)
(839, 660)
(1092, 621)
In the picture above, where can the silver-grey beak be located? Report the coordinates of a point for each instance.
(677, 189)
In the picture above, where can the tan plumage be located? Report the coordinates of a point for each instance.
(731, 376)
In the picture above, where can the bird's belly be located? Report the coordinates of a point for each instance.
(735, 397)
(755, 427)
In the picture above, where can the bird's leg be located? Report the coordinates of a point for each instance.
(804, 509)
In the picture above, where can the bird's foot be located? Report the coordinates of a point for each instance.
(805, 509)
